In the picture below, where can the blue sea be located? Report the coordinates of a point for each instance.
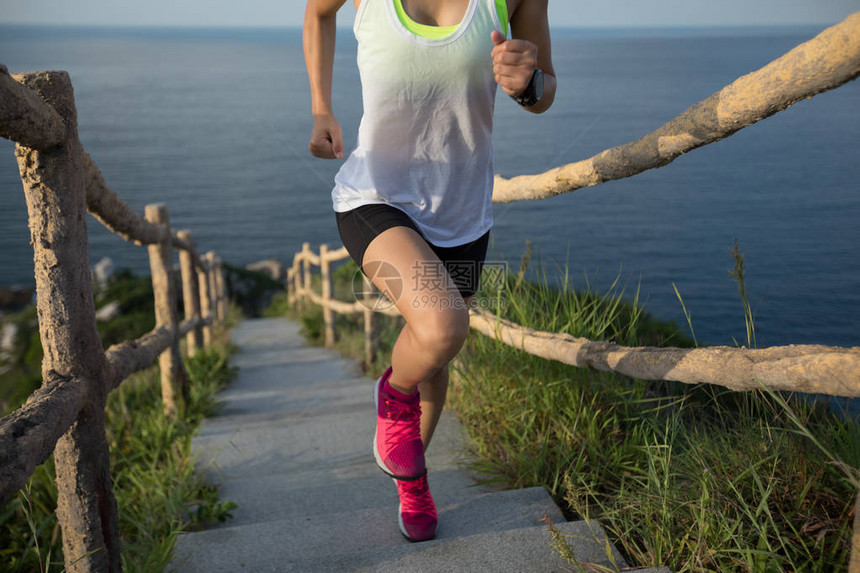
(215, 123)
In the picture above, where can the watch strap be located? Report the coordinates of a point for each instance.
(529, 96)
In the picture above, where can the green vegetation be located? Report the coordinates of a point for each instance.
(22, 368)
(697, 478)
(157, 491)
(250, 290)
(739, 274)
(136, 317)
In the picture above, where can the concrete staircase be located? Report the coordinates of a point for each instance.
(291, 445)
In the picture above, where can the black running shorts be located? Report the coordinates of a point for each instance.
(359, 226)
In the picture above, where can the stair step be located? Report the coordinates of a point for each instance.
(271, 497)
(512, 550)
(261, 405)
(331, 442)
(326, 534)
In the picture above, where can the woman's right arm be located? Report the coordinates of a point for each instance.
(318, 38)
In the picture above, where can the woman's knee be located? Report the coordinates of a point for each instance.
(442, 333)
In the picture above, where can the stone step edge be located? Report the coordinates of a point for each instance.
(589, 542)
(515, 496)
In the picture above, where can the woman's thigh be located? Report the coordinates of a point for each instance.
(424, 281)
(401, 263)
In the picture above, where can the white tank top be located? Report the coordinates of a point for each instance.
(425, 140)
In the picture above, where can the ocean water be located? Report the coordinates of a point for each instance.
(215, 123)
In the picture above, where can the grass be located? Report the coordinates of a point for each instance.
(739, 274)
(697, 478)
(158, 493)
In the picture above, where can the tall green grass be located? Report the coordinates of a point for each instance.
(697, 478)
(739, 274)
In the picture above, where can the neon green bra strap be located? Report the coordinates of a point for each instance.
(442, 31)
(502, 11)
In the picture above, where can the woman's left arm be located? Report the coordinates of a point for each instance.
(515, 60)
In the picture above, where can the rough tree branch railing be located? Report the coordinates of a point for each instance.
(66, 414)
(825, 62)
(834, 371)
(797, 368)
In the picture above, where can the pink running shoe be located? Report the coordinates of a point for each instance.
(417, 513)
(397, 445)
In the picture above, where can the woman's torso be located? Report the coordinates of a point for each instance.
(425, 139)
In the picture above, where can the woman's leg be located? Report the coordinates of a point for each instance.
(434, 390)
(437, 319)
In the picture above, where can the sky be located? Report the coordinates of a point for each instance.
(562, 13)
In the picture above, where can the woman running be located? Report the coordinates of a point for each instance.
(413, 199)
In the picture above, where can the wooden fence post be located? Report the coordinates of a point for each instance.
(288, 288)
(56, 201)
(306, 263)
(369, 338)
(221, 289)
(293, 282)
(205, 300)
(298, 281)
(174, 382)
(213, 286)
(328, 313)
(190, 294)
(225, 300)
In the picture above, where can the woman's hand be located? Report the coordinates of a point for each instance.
(514, 63)
(326, 139)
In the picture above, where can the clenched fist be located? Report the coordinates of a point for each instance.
(514, 63)
(326, 139)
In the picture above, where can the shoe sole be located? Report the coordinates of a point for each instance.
(376, 455)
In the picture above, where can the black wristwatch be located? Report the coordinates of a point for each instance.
(533, 92)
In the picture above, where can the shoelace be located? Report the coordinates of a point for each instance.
(415, 496)
(408, 412)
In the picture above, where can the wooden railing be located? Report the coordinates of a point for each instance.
(66, 414)
(806, 368)
(827, 61)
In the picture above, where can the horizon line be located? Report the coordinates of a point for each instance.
(349, 27)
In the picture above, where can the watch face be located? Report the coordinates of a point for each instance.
(533, 92)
